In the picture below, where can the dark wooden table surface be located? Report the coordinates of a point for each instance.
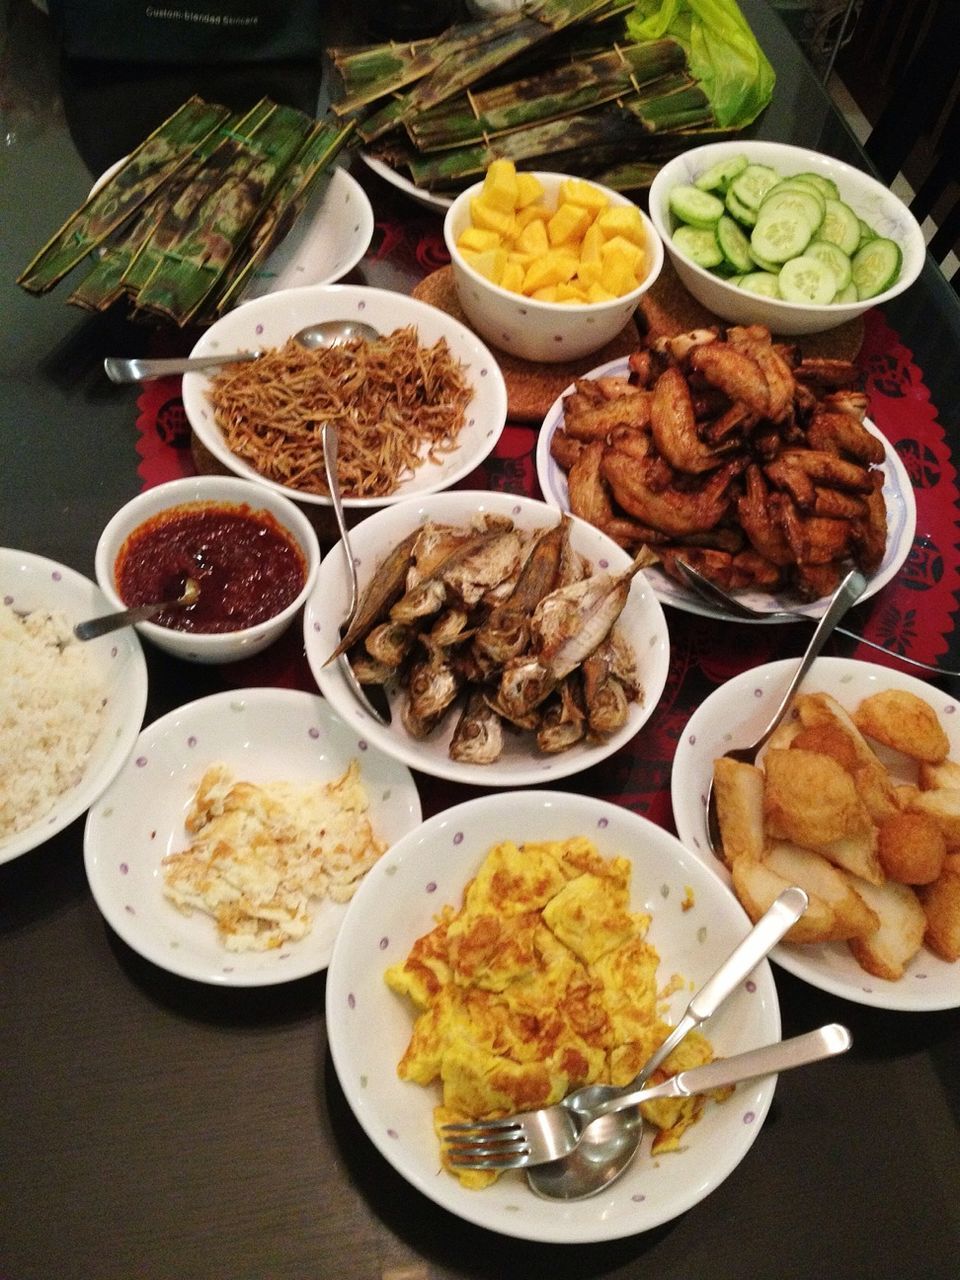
(155, 1127)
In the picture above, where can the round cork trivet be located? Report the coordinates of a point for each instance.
(531, 387)
(669, 309)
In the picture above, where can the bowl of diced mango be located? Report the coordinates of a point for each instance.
(549, 267)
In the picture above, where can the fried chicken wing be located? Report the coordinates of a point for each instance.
(675, 511)
(674, 428)
(735, 372)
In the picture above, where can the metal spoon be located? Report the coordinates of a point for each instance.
(847, 594)
(95, 627)
(728, 603)
(331, 442)
(609, 1144)
(327, 333)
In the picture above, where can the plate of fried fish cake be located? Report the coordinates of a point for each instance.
(776, 511)
(514, 644)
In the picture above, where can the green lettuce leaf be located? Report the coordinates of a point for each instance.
(722, 51)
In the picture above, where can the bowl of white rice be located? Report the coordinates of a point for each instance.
(70, 712)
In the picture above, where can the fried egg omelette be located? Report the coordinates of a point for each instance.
(541, 982)
(262, 854)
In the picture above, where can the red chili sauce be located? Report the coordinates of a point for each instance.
(247, 565)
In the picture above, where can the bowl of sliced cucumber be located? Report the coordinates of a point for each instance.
(766, 233)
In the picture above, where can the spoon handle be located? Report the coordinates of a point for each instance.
(785, 911)
(849, 591)
(798, 1051)
(119, 369)
(95, 627)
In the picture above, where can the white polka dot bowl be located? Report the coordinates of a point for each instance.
(29, 584)
(227, 493)
(547, 332)
(269, 321)
(642, 624)
(260, 735)
(696, 922)
(736, 713)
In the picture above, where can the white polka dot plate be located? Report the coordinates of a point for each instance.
(696, 922)
(261, 735)
(736, 714)
(642, 623)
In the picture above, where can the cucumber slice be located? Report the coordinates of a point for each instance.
(719, 176)
(700, 244)
(826, 186)
(835, 258)
(764, 263)
(737, 209)
(763, 282)
(840, 226)
(849, 294)
(694, 207)
(753, 184)
(803, 201)
(876, 266)
(807, 280)
(780, 235)
(867, 233)
(734, 245)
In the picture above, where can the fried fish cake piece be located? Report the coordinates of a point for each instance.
(819, 878)
(810, 799)
(941, 906)
(911, 848)
(738, 788)
(887, 951)
(907, 723)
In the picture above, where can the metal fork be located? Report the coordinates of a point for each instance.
(537, 1137)
(721, 599)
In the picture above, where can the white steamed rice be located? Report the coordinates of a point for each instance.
(51, 704)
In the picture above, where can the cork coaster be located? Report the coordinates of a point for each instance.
(531, 387)
(669, 309)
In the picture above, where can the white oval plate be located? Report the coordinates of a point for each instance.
(328, 239)
(262, 735)
(738, 712)
(269, 321)
(398, 903)
(521, 764)
(406, 185)
(897, 491)
(29, 582)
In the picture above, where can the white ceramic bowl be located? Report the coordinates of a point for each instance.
(29, 582)
(521, 763)
(735, 714)
(261, 735)
(869, 199)
(226, 646)
(399, 901)
(550, 332)
(269, 321)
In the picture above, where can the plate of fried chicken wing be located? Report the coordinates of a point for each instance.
(737, 455)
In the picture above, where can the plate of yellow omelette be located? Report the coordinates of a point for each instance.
(569, 885)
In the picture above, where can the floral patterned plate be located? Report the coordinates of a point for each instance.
(696, 923)
(261, 735)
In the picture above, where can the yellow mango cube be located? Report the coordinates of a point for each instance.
(529, 190)
(490, 263)
(524, 259)
(500, 187)
(553, 268)
(625, 221)
(571, 292)
(490, 218)
(532, 213)
(579, 192)
(591, 247)
(568, 224)
(588, 273)
(533, 238)
(617, 275)
(547, 294)
(478, 239)
(632, 252)
(512, 277)
(597, 293)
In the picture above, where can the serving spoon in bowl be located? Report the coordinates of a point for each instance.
(325, 333)
(95, 627)
(610, 1142)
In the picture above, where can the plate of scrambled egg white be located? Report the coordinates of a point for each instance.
(520, 944)
(228, 848)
